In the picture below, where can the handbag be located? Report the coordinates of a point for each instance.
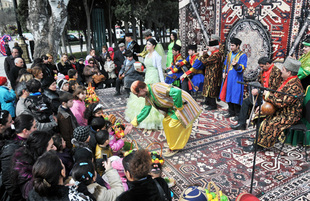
(98, 78)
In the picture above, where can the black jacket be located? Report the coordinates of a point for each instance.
(145, 190)
(14, 71)
(6, 168)
(40, 106)
(64, 69)
(60, 193)
(9, 64)
(135, 49)
(119, 59)
(53, 95)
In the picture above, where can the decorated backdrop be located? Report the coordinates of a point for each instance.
(266, 27)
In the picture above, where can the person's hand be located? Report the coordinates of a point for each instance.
(254, 92)
(169, 73)
(224, 75)
(177, 63)
(201, 53)
(183, 76)
(55, 119)
(265, 92)
(128, 128)
(234, 62)
(107, 164)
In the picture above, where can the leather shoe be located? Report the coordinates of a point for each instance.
(117, 94)
(236, 118)
(228, 115)
(238, 126)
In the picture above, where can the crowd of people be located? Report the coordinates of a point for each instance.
(55, 147)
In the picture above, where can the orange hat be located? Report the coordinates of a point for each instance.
(3, 80)
(246, 197)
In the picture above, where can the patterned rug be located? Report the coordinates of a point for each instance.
(216, 153)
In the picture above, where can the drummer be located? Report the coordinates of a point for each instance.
(269, 77)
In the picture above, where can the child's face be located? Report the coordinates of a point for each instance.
(99, 113)
(69, 103)
(105, 144)
(108, 59)
(76, 76)
(129, 58)
(82, 96)
(65, 87)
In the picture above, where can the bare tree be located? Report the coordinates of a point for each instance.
(47, 19)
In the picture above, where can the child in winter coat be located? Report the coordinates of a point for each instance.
(78, 107)
(7, 97)
(103, 150)
(109, 67)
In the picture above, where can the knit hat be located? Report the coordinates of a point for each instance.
(292, 64)
(193, 193)
(61, 83)
(3, 80)
(46, 82)
(81, 133)
(110, 49)
(235, 41)
(246, 197)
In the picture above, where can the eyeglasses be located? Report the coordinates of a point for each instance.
(91, 63)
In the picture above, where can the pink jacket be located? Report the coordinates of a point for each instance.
(115, 144)
(78, 109)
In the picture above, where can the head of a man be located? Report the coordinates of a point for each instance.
(15, 52)
(235, 44)
(121, 47)
(213, 45)
(290, 68)
(19, 62)
(139, 89)
(264, 63)
(192, 50)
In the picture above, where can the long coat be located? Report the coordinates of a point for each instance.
(213, 74)
(288, 112)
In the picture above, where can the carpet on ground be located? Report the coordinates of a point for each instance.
(216, 153)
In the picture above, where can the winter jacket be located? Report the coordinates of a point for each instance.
(88, 72)
(116, 144)
(22, 109)
(145, 190)
(78, 109)
(53, 95)
(7, 99)
(63, 69)
(40, 106)
(61, 193)
(6, 167)
(109, 67)
(66, 123)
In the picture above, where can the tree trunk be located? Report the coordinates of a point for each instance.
(126, 26)
(134, 30)
(47, 25)
(63, 43)
(88, 24)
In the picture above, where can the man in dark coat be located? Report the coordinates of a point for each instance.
(119, 57)
(9, 62)
(14, 72)
(132, 45)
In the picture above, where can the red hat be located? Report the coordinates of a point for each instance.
(246, 197)
(3, 80)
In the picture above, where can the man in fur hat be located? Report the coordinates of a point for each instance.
(132, 45)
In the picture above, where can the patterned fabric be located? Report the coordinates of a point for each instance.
(187, 115)
(213, 74)
(275, 78)
(288, 112)
(74, 195)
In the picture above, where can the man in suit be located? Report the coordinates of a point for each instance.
(119, 57)
(132, 45)
(9, 62)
